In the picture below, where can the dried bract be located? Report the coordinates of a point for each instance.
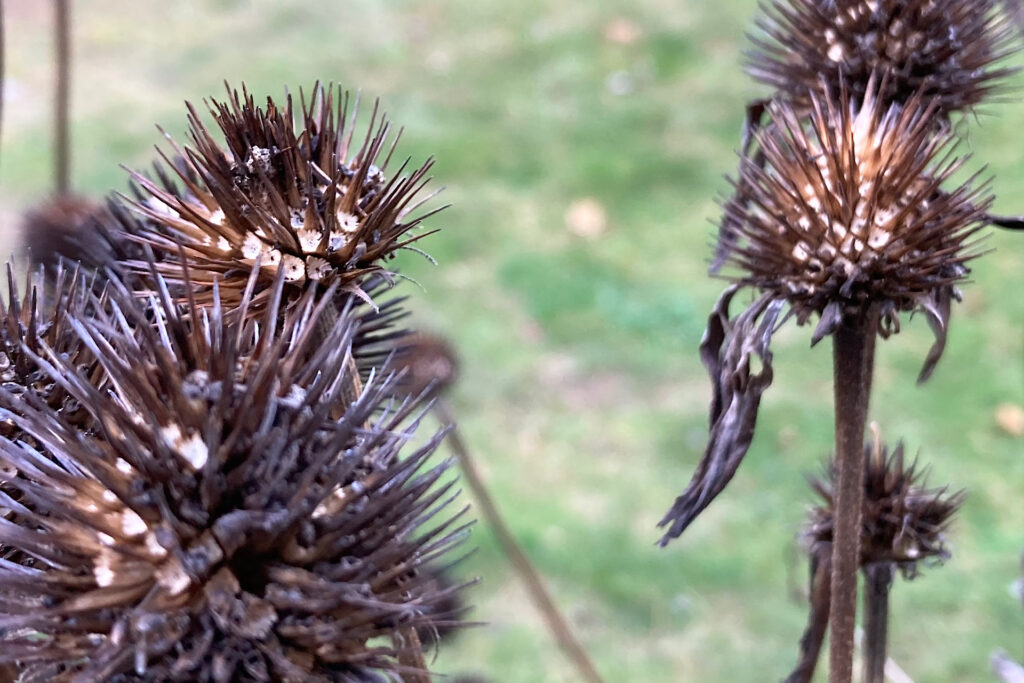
(949, 50)
(34, 317)
(736, 354)
(289, 190)
(231, 517)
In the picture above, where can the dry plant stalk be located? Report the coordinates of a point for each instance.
(842, 212)
(62, 96)
(432, 367)
(903, 528)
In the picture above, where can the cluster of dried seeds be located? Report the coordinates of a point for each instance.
(204, 466)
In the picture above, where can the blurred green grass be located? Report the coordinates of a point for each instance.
(582, 393)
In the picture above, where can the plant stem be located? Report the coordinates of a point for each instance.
(412, 658)
(62, 42)
(2, 51)
(853, 360)
(877, 582)
(410, 648)
(817, 623)
(557, 624)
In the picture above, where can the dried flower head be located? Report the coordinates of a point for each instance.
(948, 50)
(849, 209)
(903, 523)
(32, 321)
(846, 218)
(430, 364)
(295, 196)
(231, 517)
(75, 228)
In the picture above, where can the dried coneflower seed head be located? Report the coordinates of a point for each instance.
(294, 191)
(430, 363)
(904, 522)
(949, 50)
(230, 517)
(34, 317)
(849, 209)
(75, 228)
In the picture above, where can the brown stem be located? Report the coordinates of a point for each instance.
(2, 50)
(877, 582)
(353, 388)
(62, 44)
(853, 355)
(817, 622)
(407, 641)
(520, 562)
(412, 659)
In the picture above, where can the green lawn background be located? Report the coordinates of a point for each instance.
(581, 389)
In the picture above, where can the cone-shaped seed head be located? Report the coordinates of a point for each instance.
(229, 517)
(947, 49)
(849, 207)
(295, 191)
(904, 522)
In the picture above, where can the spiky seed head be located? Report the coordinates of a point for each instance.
(70, 227)
(292, 190)
(904, 523)
(229, 518)
(430, 363)
(32, 317)
(849, 207)
(949, 50)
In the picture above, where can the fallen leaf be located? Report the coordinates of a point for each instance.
(586, 217)
(1010, 418)
(621, 31)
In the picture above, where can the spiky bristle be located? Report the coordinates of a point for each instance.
(904, 523)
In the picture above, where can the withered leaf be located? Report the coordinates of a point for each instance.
(727, 350)
(729, 230)
(936, 307)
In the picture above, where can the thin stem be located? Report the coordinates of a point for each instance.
(2, 51)
(557, 624)
(853, 360)
(410, 649)
(412, 659)
(353, 388)
(877, 583)
(62, 44)
(817, 623)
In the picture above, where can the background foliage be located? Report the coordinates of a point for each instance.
(583, 145)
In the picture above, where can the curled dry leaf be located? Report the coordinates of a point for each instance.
(730, 349)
